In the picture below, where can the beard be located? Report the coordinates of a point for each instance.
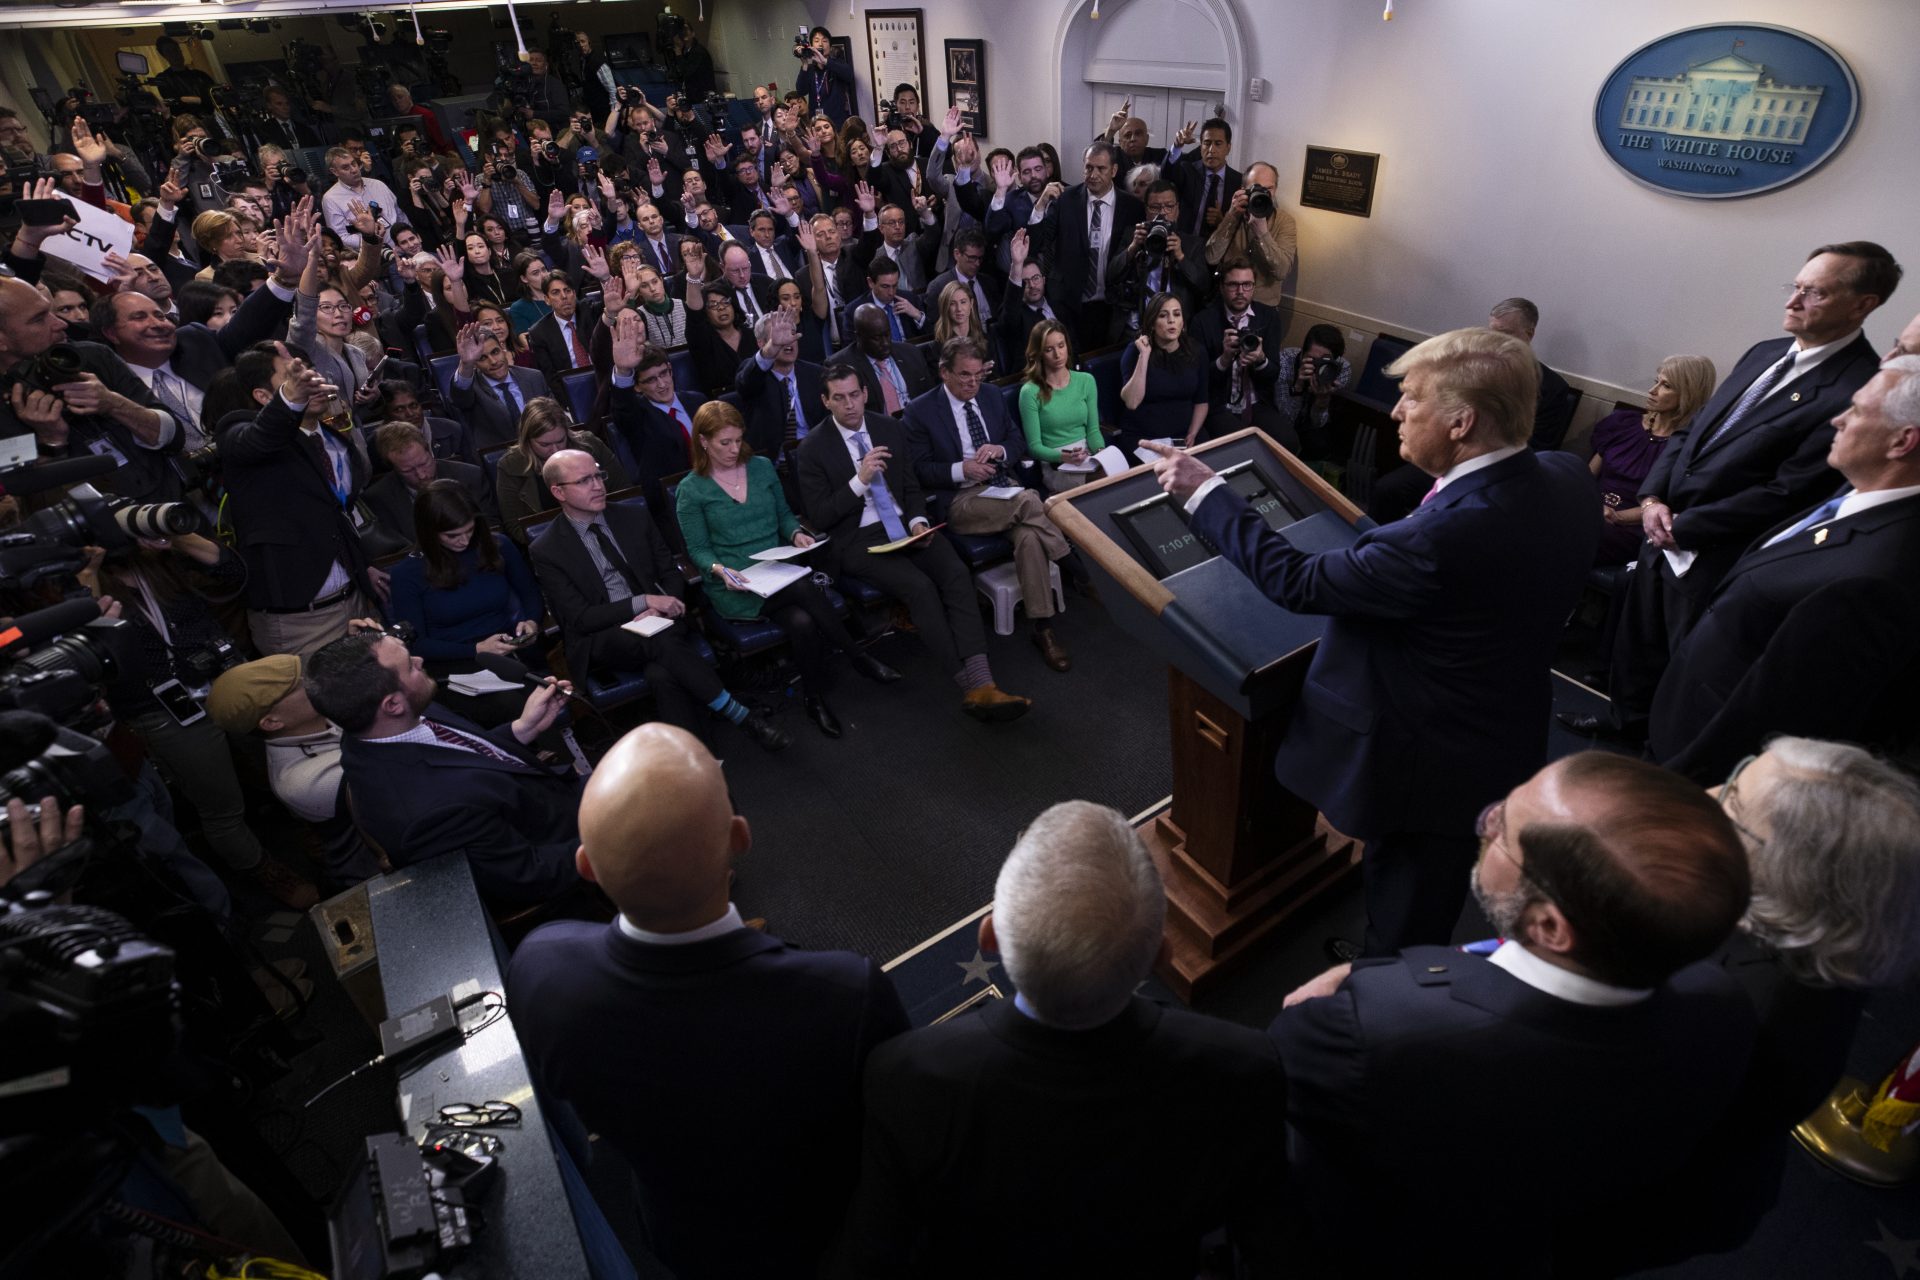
(1503, 910)
(420, 696)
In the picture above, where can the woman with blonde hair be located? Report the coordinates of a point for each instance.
(955, 318)
(732, 505)
(221, 239)
(545, 429)
(1627, 442)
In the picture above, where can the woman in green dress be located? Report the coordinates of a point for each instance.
(1059, 407)
(731, 506)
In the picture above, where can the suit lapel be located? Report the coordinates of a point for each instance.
(1458, 490)
(1826, 537)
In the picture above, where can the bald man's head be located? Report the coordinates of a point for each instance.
(657, 831)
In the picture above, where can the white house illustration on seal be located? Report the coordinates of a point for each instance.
(1724, 97)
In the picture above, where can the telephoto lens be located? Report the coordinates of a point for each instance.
(156, 519)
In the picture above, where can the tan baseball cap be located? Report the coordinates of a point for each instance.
(241, 696)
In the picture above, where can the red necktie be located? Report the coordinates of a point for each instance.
(581, 358)
(465, 742)
(674, 412)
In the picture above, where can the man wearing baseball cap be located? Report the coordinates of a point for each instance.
(268, 698)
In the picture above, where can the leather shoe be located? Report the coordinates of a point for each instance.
(992, 705)
(283, 884)
(822, 715)
(1340, 951)
(1601, 728)
(765, 732)
(871, 667)
(1051, 650)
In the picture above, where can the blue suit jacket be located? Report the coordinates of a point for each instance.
(713, 1068)
(1428, 1071)
(1428, 699)
(936, 442)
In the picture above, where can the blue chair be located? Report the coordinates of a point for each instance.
(421, 345)
(490, 461)
(1105, 368)
(733, 398)
(1010, 391)
(1373, 384)
(443, 367)
(683, 376)
(583, 389)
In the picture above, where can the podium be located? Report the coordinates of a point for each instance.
(1239, 853)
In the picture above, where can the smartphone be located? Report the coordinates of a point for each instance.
(179, 702)
(46, 213)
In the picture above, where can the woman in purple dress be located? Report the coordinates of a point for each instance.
(1627, 442)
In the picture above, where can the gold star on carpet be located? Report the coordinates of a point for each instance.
(978, 969)
(1903, 1254)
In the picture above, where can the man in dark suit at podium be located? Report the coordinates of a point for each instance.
(1811, 631)
(1043, 1113)
(1428, 697)
(1753, 456)
(1610, 880)
(696, 1046)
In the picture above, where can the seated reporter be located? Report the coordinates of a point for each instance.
(412, 467)
(164, 588)
(447, 437)
(602, 567)
(731, 506)
(1610, 879)
(545, 429)
(426, 782)
(1163, 372)
(468, 594)
(1046, 1112)
(1059, 407)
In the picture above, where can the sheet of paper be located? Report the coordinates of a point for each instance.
(787, 552)
(1111, 460)
(1078, 468)
(912, 539)
(1002, 491)
(87, 245)
(1148, 456)
(648, 626)
(765, 579)
(1679, 561)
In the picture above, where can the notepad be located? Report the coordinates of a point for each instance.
(765, 579)
(476, 683)
(912, 539)
(1002, 491)
(787, 552)
(652, 625)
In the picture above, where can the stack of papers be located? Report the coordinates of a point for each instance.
(787, 552)
(652, 625)
(476, 683)
(769, 576)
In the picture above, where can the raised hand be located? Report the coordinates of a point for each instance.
(613, 296)
(629, 342)
(716, 149)
(606, 187)
(864, 197)
(91, 150)
(655, 174)
(1119, 118)
(556, 205)
(171, 194)
(292, 246)
(362, 218)
(596, 262)
(1188, 132)
(809, 243)
(467, 190)
(122, 270)
(950, 124)
(1003, 176)
(779, 202)
(303, 382)
(467, 344)
(1017, 251)
(452, 262)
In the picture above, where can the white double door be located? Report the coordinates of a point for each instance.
(1166, 111)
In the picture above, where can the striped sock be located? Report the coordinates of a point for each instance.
(975, 673)
(730, 707)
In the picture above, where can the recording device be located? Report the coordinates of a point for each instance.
(802, 44)
(57, 364)
(587, 160)
(46, 213)
(393, 1218)
(1250, 340)
(1155, 245)
(1259, 201)
(130, 63)
(54, 541)
(1325, 367)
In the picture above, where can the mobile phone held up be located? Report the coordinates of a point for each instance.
(46, 213)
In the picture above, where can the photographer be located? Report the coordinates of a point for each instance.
(1256, 233)
(905, 117)
(826, 81)
(1156, 261)
(278, 125)
(1237, 334)
(404, 105)
(546, 93)
(506, 191)
(688, 63)
(287, 182)
(1308, 376)
(183, 88)
(553, 169)
(163, 587)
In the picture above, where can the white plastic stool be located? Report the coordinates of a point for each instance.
(1001, 584)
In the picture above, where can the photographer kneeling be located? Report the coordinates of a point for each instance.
(162, 587)
(1303, 390)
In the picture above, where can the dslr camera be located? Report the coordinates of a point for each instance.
(1155, 245)
(802, 43)
(1259, 201)
(57, 364)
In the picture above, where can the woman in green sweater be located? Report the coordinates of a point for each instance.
(730, 506)
(1059, 408)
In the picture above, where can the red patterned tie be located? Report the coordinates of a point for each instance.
(466, 742)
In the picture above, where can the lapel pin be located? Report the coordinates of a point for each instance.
(1796, 397)
(1819, 536)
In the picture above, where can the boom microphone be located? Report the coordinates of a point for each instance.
(56, 475)
(43, 625)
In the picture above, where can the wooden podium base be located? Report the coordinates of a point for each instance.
(1210, 930)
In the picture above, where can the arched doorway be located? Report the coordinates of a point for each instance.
(1175, 56)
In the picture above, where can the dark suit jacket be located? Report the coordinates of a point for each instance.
(1062, 241)
(746, 1045)
(1048, 1135)
(577, 594)
(199, 352)
(1189, 280)
(1771, 465)
(550, 351)
(935, 440)
(147, 474)
(1014, 322)
(1190, 180)
(763, 402)
(645, 248)
(1812, 637)
(1210, 328)
(1388, 1082)
(286, 518)
(849, 277)
(910, 255)
(393, 506)
(824, 467)
(910, 329)
(1553, 411)
(1428, 696)
(787, 250)
(906, 357)
(491, 419)
(657, 446)
(514, 823)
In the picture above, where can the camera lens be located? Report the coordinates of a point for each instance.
(156, 519)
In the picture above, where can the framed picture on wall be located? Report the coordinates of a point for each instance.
(895, 40)
(967, 82)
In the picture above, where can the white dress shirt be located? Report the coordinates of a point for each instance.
(958, 408)
(1562, 984)
(1105, 204)
(727, 923)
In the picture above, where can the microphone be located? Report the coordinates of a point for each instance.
(54, 475)
(42, 625)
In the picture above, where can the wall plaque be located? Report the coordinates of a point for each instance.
(1339, 180)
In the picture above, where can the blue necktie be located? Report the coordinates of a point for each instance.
(1819, 515)
(893, 322)
(1755, 394)
(881, 495)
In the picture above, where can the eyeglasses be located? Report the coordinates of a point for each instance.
(464, 1115)
(591, 478)
(1730, 795)
(1491, 828)
(334, 307)
(1813, 295)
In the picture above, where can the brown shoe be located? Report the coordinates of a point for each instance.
(991, 704)
(1051, 650)
(283, 884)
